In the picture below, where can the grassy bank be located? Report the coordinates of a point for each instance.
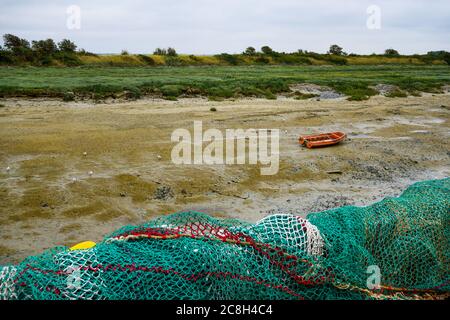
(140, 60)
(49, 53)
(216, 82)
(61, 59)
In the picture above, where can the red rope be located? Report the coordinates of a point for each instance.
(193, 277)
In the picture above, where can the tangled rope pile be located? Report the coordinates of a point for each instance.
(190, 255)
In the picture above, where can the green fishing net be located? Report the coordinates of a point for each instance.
(397, 248)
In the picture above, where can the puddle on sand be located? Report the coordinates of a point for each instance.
(365, 136)
(399, 138)
(418, 121)
(420, 131)
(362, 136)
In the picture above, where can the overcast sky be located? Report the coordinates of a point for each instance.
(210, 26)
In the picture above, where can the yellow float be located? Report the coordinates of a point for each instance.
(83, 245)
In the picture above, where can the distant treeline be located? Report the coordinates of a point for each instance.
(17, 52)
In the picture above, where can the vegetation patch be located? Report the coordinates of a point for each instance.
(172, 90)
(215, 82)
(397, 94)
(47, 52)
(304, 96)
(355, 90)
(214, 98)
(36, 69)
(68, 96)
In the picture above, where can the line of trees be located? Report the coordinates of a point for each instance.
(16, 50)
(171, 52)
(334, 50)
(267, 54)
(337, 55)
(39, 52)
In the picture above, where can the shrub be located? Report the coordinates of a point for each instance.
(304, 96)
(214, 98)
(356, 91)
(397, 94)
(66, 45)
(171, 98)
(44, 47)
(335, 49)
(337, 60)
(409, 84)
(68, 96)
(68, 59)
(172, 90)
(270, 96)
(19, 48)
(132, 92)
(443, 55)
(247, 90)
(160, 52)
(314, 55)
(292, 59)
(171, 52)
(250, 51)
(229, 58)
(221, 92)
(124, 53)
(146, 59)
(83, 52)
(14, 43)
(100, 91)
(213, 109)
(174, 61)
(5, 57)
(267, 50)
(274, 85)
(360, 94)
(391, 53)
(262, 60)
(44, 60)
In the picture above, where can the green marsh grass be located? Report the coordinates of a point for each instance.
(219, 82)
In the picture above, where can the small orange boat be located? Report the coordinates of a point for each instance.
(322, 140)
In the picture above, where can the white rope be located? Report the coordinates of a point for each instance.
(81, 284)
(314, 243)
(295, 232)
(7, 288)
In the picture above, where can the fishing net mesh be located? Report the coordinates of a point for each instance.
(335, 254)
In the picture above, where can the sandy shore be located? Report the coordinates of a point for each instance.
(49, 198)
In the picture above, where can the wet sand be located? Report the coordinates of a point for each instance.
(48, 197)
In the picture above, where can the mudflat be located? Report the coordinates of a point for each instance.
(75, 171)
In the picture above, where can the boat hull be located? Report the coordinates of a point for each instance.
(322, 140)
